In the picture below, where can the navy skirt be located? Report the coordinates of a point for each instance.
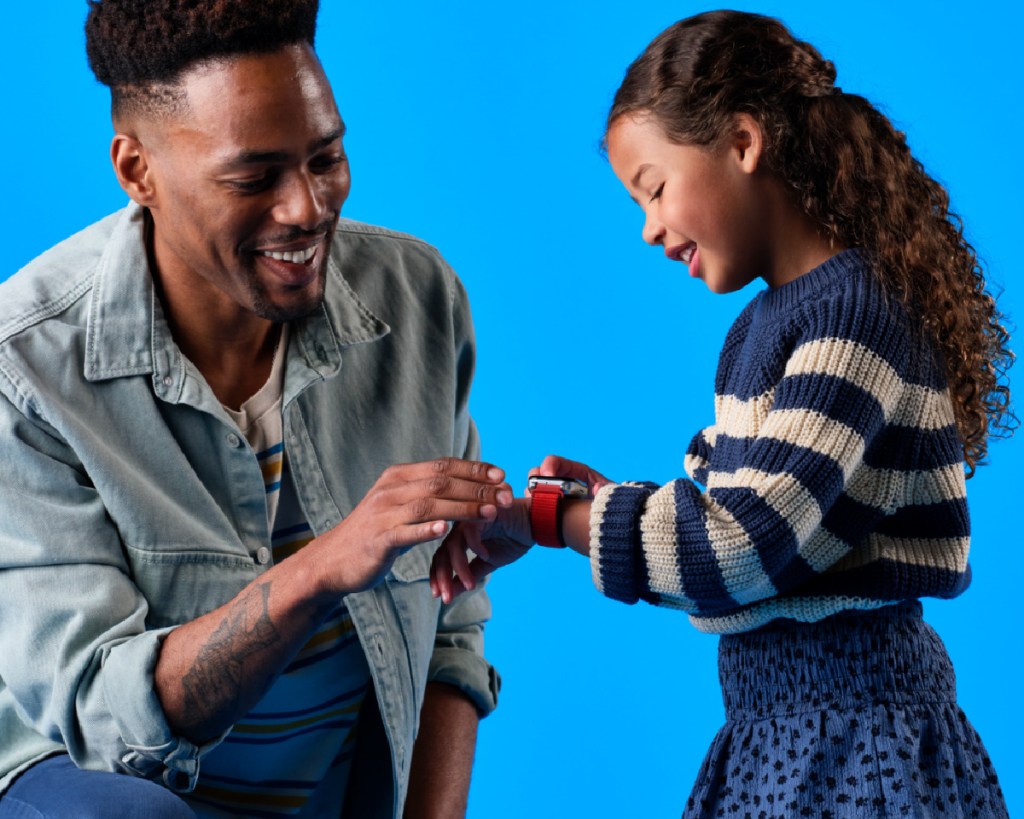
(854, 716)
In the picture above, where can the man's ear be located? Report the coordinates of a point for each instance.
(747, 141)
(132, 167)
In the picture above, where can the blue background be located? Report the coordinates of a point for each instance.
(476, 127)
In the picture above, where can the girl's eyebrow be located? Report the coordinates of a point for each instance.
(635, 181)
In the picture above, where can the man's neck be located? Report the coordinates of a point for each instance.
(232, 347)
(234, 369)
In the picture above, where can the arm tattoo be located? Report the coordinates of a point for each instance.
(215, 678)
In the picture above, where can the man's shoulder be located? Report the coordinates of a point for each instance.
(385, 245)
(353, 228)
(56, 279)
(393, 274)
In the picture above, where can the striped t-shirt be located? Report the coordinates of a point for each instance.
(833, 475)
(290, 755)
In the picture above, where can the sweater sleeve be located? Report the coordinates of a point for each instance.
(698, 455)
(781, 462)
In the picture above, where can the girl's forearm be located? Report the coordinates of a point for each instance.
(576, 524)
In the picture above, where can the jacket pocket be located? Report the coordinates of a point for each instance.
(181, 585)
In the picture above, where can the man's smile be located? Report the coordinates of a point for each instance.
(294, 256)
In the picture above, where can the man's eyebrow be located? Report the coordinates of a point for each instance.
(264, 157)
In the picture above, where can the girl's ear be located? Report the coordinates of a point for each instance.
(747, 142)
(131, 164)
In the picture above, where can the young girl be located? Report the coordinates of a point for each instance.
(852, 395)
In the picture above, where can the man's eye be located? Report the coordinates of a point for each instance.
(324, 164)
(252, 185)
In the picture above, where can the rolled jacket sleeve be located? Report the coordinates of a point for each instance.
(74, 650)
(458, 651)
(458, 658)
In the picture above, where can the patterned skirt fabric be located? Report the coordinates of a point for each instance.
(854, 716)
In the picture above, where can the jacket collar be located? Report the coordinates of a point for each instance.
(127, 333)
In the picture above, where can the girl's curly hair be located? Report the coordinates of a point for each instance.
(851, 172)
(139, 48)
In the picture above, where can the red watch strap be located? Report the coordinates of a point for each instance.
(546, 516)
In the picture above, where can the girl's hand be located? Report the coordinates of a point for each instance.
(494, 544)
(557, 466)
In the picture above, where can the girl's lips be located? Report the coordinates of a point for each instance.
(682, 253)
(694, 263)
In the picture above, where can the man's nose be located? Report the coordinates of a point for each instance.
(302, 203)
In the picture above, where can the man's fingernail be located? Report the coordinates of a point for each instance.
(495, 474)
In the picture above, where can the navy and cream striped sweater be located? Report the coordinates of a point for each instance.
(833, 472)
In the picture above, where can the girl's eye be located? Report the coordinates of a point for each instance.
(657, 193)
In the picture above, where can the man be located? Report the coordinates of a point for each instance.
(212, 575)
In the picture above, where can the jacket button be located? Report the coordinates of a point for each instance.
(263, 555)
(233, 440)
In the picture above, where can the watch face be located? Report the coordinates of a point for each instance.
(568, 486)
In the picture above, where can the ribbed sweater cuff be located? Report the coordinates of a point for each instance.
(615, 540)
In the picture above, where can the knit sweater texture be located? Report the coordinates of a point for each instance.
(833, 475)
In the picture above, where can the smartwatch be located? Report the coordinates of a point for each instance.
(546, 496)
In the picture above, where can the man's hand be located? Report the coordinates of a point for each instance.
(214, 669)
(507, 537)
(409, 504)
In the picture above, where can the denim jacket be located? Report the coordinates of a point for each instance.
(130, 505)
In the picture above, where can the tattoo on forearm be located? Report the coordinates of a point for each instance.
(216, 676)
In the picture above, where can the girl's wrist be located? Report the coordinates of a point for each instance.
(576, 524)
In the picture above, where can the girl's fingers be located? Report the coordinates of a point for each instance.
(474, 541)
(441, 574)
(481, 568)
(556, 465)
(460, 563)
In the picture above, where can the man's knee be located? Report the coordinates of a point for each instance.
(57, 789)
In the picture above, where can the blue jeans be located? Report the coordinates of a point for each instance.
(57, 789)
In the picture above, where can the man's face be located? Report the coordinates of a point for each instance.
(247, 186)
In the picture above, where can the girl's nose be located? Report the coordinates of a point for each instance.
(653, 232)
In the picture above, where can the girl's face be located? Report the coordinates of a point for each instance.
(706, 206)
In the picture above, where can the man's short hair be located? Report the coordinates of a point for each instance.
(140, 48)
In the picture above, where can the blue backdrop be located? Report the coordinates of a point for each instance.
(476, 126)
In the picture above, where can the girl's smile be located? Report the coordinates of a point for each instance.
(687, 254)
(714, 208)
(699, 202)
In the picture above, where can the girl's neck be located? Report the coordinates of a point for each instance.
(800, 246)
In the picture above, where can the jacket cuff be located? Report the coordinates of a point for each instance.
(470, 673)
(153, 751)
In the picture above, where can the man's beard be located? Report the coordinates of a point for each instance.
(265, 308)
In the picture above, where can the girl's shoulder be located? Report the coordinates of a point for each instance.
(841, 299)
